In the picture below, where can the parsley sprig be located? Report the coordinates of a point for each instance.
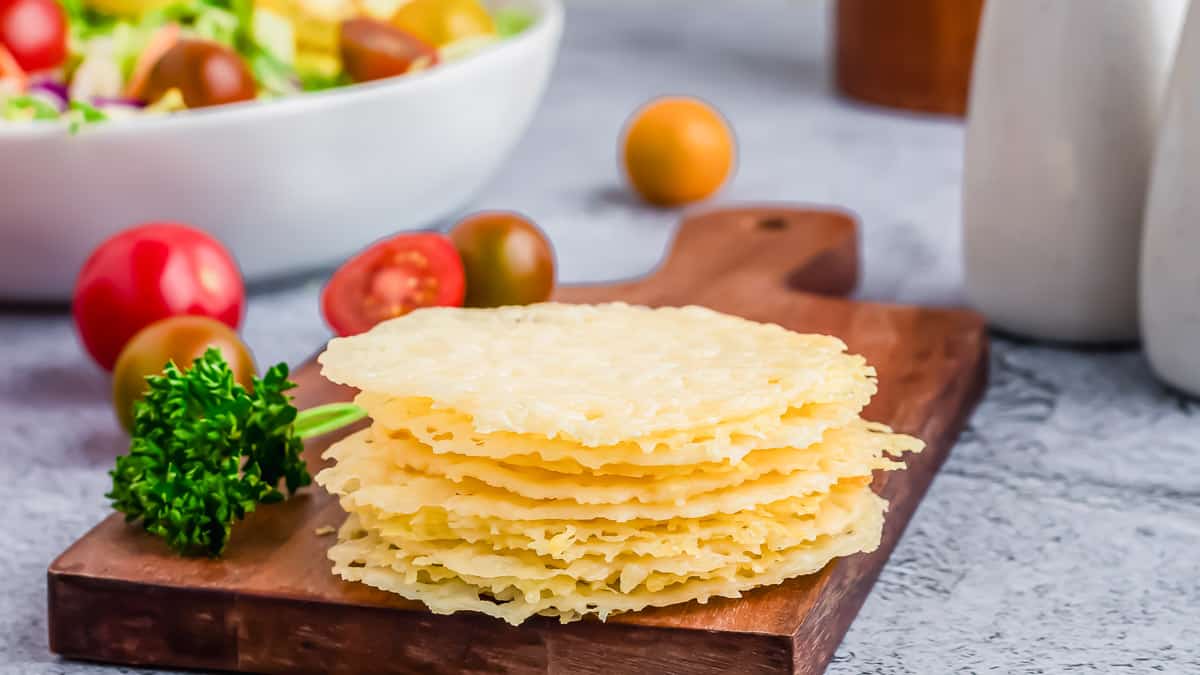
(205, 451)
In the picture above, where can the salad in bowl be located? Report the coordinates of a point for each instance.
(85, 61)
(290, 184)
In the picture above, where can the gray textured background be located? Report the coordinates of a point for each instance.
(1063, 535)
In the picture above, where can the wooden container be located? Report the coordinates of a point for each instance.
(910, 54)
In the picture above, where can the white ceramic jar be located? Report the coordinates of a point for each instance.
(1170, 270)
(1065, 99)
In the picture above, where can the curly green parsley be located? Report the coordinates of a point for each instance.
(205, 451)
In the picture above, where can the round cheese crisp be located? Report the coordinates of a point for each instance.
(785, 524)
(568, 460)
(448, 431)
(626, 570)
(359, 556)
(371, 479)
(598, 374)
(854, 444)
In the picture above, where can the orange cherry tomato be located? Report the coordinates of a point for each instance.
(440, 22)
(677, 150)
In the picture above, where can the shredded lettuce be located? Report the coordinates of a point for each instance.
(318, 81)
(81, 113)
(275, 77)
(511, 21)
(219, 25)
(25, 108)
(128, 42)
(85, 22)
(217, 20)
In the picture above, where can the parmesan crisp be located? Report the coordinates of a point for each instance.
(567, 460)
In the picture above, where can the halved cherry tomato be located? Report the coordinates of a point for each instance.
(35, 32)
(159, 44)
(392, 278)
(206, 73)
(373, 50)
(148, 273)
(181, 339)
(507, 259)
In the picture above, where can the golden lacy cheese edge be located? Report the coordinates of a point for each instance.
(447, 431)
(362, 482)
(444, 592)
(857, 444)
(778, 525)
(609, 559)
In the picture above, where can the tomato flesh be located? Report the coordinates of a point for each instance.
(391, 279)
(12, 76)
(148, 273)
(373, 50)
(35, 32)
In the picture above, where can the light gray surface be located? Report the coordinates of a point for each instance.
(1063, 533)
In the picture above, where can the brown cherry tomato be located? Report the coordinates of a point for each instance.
(507, 259)
(181, 339)
(373, 50)
(206, 73)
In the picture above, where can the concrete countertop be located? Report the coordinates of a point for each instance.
(1063, 535)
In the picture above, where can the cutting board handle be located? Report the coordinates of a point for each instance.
(770, 248)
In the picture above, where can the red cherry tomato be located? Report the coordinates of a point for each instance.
(373, 50)
(35, 32)
(392, 278)
(151, 272)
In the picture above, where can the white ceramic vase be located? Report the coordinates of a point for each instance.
(1170, 270)
(1065, 100)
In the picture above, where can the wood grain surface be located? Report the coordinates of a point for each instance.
(909, 54)
(272, 605)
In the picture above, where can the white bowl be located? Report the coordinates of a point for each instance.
(287, 185)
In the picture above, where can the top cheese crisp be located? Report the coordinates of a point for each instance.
(597, 374)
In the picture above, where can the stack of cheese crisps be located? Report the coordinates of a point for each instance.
(569, 460)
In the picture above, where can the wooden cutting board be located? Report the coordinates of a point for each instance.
(272, 605)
